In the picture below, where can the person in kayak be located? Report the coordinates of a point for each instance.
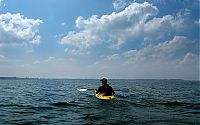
(105, 89)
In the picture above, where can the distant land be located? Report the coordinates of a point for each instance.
(7, 77)
(3, 77)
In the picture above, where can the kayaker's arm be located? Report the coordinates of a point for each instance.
(99, 90)
(112, 90)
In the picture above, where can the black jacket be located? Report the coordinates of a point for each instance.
(106, 90)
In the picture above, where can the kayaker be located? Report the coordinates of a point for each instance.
(105, 89)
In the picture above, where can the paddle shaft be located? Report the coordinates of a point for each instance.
(84, 89)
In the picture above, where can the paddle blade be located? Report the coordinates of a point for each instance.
(82, 90)
(123, 90)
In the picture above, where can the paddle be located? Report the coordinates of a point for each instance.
(123, 90)
(85, 89)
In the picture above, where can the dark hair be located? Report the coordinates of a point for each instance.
(104, 80)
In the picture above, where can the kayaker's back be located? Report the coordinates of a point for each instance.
(106, 90)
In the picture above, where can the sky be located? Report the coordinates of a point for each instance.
(116, 39)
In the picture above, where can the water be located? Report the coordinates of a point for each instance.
(57, 102)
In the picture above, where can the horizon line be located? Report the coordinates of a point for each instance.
(16, 77)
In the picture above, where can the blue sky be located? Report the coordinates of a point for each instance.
(100, 38)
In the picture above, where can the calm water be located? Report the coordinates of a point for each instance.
(57, 102)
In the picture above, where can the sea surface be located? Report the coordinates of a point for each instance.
(57, 102)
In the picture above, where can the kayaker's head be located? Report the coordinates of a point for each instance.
(104, 81)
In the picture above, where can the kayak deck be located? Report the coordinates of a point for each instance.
(102, 97)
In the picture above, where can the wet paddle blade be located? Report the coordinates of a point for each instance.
(82, 90)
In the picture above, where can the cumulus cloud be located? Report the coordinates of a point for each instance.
(114, 29)
(18, 30)
(182, 21)
(190, 58)
(158, 28)
(119, 4)
(167, 26)
(166, 51)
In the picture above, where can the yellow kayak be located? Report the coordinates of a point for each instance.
(102, 97)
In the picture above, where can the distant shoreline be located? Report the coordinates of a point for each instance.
(8, 77)
(13, 78)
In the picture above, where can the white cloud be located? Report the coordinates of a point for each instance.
(169, 50)
(112, 57)
(197, 22)
(82, 40)
(36, 62)
(182, 21)
(76, 51)
(133, 24)
(177, 58)
(158, 28)
(119, 4)
(166, 27)
(49, 59)
(114, 29)
(190, 58)
(135, 60)
(18, 30)
(130, 53)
